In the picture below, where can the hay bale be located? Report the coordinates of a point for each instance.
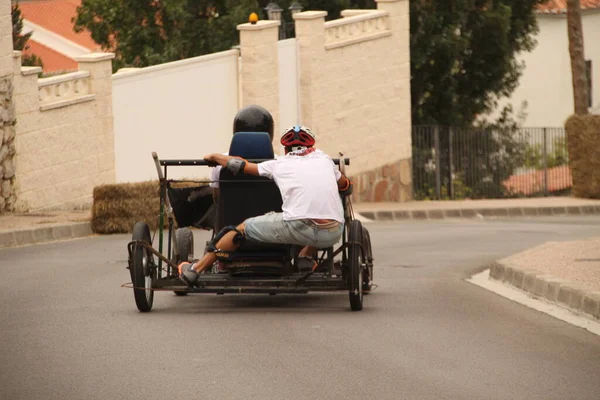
(118, 207)
(583, 142)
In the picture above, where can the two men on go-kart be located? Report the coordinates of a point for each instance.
(310, 186)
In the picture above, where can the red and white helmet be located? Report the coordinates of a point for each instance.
(298, 136)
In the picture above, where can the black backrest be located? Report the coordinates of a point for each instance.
(251, 145)
(247, 196)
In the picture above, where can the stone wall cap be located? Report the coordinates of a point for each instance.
(53, 80)
(126, 69)
(30, 70)
(259, 25)
(130, 72)
(372, 14)
(16, 53)
(351, 12)
(95, 57)
(310, 15)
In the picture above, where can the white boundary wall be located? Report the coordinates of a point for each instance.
(182, 109)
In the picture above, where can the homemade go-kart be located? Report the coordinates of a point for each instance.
(253, 267)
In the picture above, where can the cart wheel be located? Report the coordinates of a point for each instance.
(185, 245)
(368, 271)
(142, 269)
(355, 264)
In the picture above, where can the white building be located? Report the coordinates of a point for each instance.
(546, 83)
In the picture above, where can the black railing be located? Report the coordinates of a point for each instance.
(452, 163)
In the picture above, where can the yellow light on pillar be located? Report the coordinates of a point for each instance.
(253, 18)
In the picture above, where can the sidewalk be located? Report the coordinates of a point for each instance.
(421, 210)
(564, 273)
(22, 229)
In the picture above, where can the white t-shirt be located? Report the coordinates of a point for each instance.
(308, 185)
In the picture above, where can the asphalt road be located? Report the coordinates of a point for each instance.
(69, 331)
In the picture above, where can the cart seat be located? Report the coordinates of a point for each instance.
(249, 196)
(252, 145)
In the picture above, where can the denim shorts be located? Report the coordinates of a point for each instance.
(271, 228)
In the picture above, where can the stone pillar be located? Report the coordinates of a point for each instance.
(8, 196)
(260, 65)
(393, 182)
(26, 103)
(5, 38)
(100, 67)
(310, 34)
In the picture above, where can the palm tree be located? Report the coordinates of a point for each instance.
(580, 87)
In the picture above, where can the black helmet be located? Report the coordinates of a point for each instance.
(253, 119)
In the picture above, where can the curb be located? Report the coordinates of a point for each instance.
(25, 237)
(402, 215)
(564, 293)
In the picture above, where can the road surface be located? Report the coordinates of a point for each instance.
(69, 331)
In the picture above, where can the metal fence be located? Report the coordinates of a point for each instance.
(453, 163)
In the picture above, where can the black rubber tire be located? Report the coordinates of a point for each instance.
(355, 269)
(142, 275)
(185, 245)
(367, 272)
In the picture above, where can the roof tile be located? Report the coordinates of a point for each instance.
(558, 179)
(560, 6)
(56, 16)
(53, 61)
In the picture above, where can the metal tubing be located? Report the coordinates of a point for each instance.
(438, 178)
(545, 162)
(450, 165)
(226, 282)
(169, 209)
(253, 290)
(158, 254)
(161, 220)
(202, 162)
(170, 237)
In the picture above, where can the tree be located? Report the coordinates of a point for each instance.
(333, 7)
(463, 59)
(148, 32)
(474, 164)
(463, 56)
(534, 155)
(20, 40)
(578, 73)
